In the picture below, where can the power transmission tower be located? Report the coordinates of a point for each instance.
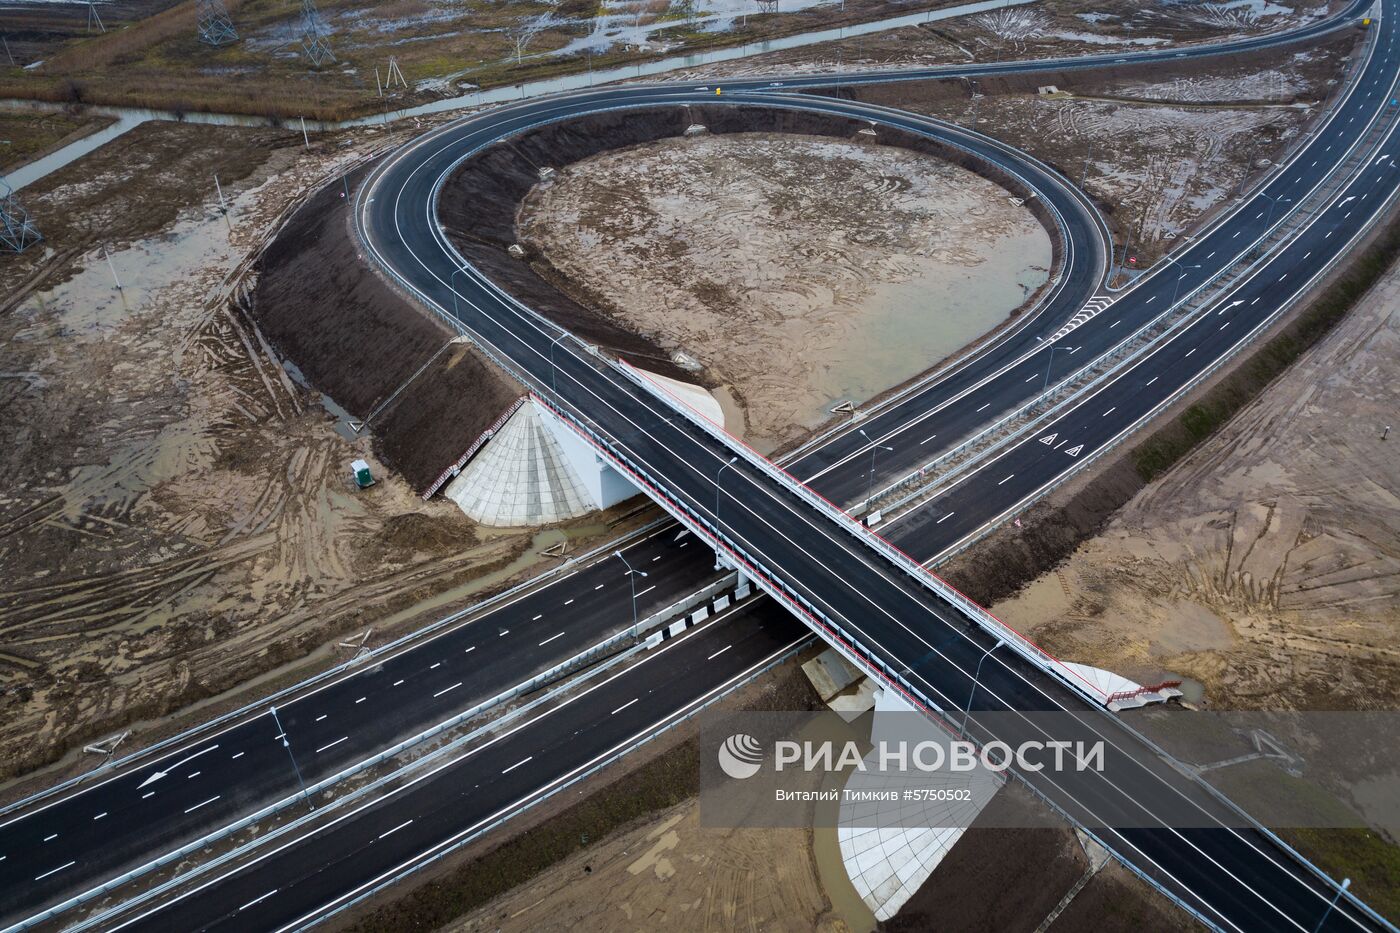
(314, 35)
(94, 19)
(17, 231)
(215, 26)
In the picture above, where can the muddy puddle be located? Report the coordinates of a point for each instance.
(799, 270)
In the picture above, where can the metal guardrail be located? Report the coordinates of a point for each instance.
(589, 772)
(1288, 221)
(603, 649)
(1025, 647)
(475, 445)
(364, 660)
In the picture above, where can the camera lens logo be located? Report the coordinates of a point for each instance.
(740, 756)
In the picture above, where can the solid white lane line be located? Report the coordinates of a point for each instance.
(518, 764)
(259, 900)
(625, 705)
(395, 829)
(332, 745)
(198, 805)
(550, 639)
(448, 690)
(55, 871)
(719, 652)
(945, 518)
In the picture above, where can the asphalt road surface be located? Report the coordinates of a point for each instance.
(83, 847)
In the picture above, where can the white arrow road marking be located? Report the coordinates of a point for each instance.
(1232, 304)
(184, 761)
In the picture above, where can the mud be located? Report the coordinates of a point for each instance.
(798, 270)
(1160, 148)
(1043, 30)
(178, 517)
(480, 202)
(1262, 565)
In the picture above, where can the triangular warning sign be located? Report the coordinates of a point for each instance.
(1170, 236)
(1074, 451)
(1049, 438)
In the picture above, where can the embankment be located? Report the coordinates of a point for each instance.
(357, 340)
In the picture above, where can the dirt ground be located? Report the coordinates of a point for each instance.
(1156, 152)
(178, 516)
(798, 270)
(1267, 564)
(441, 49)
(1039, 30)
(672, 873)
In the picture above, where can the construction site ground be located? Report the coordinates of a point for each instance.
(179, 518)
(799, 271)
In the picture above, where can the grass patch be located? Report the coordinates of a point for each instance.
(1372, 864)
(1168, 445)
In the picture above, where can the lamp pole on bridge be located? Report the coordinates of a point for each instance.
(722, 468)
(553, 368)
(632, 576)
(977, 674)
(874, 447)
(1346, 883)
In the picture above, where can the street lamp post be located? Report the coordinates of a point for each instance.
(1272, 202)
(295, 767)
(723, 467)
(632, 576)
(1051, 362)
(874, 447)
(553, 367)
(1346, 883)
(977, 674)
(1176, 289)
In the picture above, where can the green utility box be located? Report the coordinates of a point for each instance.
(360, 469)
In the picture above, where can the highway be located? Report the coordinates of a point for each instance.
(757, 517)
